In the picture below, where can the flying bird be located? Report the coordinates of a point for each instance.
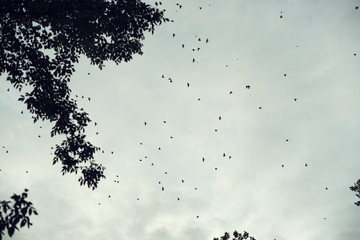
(247, 87)
(306, 165)
(162, 188)
(193, 60)
(207, 40)
(188, 84)
(203, 159)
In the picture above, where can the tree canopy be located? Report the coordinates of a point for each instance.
(236, 236)
(39, 43)
(14, 212)
(356, 188)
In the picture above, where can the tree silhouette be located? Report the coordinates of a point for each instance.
(236, 236)
(19, 212)
(39, 43)
(356, 188)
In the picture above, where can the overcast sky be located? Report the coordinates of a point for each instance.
(314, 44)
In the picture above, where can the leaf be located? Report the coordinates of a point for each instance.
(11, 231)
(23, 222)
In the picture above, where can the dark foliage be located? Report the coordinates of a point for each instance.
(236, 236)
(356, 188)
(15, 212)
(39, 43)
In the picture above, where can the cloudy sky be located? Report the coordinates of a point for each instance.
(261, 129)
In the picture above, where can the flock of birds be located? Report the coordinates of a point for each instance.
(146, 123)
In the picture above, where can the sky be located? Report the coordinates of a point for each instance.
(311, 54)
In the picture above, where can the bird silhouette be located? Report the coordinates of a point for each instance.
(145, 123)
(178, 199)
(247, 87)
(182, 45)
(282, 165)
(188, 84)
(193, 60)
(219, 117)
(207, 40)
(230, 92)
(306, 165)
(356, 7)
(284, 74)
(203, 159)
(162, 188)
(182, 181)
(173, 34)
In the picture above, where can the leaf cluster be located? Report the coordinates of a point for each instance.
(15, 212)
(40, 41)
(236, 236)
(356, 188)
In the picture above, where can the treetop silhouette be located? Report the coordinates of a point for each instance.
(39, 43)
